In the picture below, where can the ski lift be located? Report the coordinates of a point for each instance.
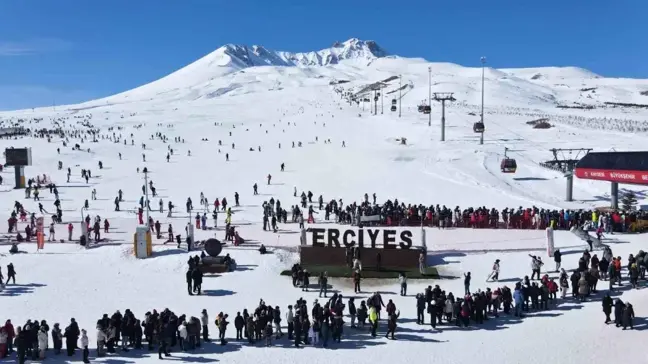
(421, 108)
(427, 109)
(393, 101)
(393, 108)
(478, 127)
(508, 165)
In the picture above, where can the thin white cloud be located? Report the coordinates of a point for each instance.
(33, 46)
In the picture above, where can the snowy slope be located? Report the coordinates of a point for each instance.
(269, 100)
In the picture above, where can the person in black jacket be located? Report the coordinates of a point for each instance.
(607, 307)
(197, 280)
(352, 311)
(189, 277)
(21, 343)
(420, 309)
(558, 259)
(628, 316)
(619, 306)
(239, 323)
(164, 338)
(11, 274)
(71, 337)
(298, 333)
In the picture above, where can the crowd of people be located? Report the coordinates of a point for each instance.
(395, 213)
(322, 323)
(166, 331)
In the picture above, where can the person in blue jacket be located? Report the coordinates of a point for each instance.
(518, 297)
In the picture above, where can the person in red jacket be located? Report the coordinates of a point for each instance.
(70, 229)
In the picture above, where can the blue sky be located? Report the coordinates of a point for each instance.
(65, 51)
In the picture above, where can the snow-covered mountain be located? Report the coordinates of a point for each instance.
(236, 70)
(234, 57)
(353, 49)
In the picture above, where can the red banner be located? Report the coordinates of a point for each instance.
(636, 177)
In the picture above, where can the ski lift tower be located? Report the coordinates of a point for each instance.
(564, 161)
(443, 97)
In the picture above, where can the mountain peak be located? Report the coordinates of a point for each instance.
(371, 46)
(242, 56)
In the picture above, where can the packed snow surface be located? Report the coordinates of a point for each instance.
(251, 98)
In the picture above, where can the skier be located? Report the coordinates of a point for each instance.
(269, 178)
(255, 187)
(282, 167)
(494, 275)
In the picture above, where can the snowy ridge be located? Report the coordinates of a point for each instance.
(242, 56)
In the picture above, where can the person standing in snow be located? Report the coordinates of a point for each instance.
(204, 320)
(467, 279)
(607, 304)
(564, 284)
(536, 264)
(558, 259)
(51, 233)
(402, 279)
(42, 342)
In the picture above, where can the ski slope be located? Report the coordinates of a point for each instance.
(222, 98)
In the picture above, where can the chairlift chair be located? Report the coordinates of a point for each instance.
(393, 108)
(421, 108)
(427, 109)
(478, 127)
(393, 101)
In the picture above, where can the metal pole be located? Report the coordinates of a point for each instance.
(614, 195)
(481, 137)
(570, 186)
(382, 101)
(442, 120)
(400, 95)
(375, 103)
(146, 200)
(430, 97)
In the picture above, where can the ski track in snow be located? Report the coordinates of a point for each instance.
(267, 106)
